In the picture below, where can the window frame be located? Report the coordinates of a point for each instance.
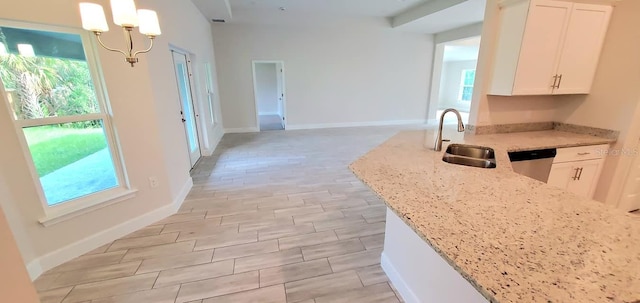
(71, 208)
(462, 85)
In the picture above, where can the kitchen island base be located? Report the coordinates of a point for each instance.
(418, 272)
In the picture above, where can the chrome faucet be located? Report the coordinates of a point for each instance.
(438, 145)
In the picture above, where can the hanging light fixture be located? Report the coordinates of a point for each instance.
(125, 16)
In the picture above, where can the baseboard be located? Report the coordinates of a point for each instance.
(218, 133)
(182, 194)
(34, 269)
(354, 124)
(403, 289)
(241, 130)
(40, 265)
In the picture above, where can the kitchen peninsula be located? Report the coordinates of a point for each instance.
(464, 234)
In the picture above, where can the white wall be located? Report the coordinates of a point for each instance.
(15, 285)
(450, 84)
(143, 102)
(356, 70)
(186, 28)
(436, 82)
(267, 88)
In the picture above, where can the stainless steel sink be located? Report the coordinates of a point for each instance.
(478, 152)
(470, 155)
(467, 161)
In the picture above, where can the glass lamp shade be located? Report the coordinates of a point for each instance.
(124, 13)
(149, 24)
(93, 18)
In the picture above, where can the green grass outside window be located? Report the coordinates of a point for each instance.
(54, 147)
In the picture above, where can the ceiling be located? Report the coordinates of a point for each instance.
(417, 15)
(371, 8)
(462, 50)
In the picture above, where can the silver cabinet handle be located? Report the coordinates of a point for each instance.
(559, 81)
(583, 154)
(580, 174)
(575, 175)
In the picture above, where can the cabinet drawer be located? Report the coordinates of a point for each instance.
(581, 153)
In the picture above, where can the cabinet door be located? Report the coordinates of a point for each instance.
(579, 177)
(561, 174)
(587, 177)
(582, 46)
(539, 53)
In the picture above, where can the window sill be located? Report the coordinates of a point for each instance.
(61, 213)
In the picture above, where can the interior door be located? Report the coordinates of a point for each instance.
(280, 77)
(560, 174)
(630, 199)
(183, 80)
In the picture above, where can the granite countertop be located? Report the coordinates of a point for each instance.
(514, 238)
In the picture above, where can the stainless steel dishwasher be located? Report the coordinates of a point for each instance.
(534, 164)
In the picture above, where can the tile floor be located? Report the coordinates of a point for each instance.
(272, 217)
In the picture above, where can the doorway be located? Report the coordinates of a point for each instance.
(269, 93)
(454, 78)
(182, 66)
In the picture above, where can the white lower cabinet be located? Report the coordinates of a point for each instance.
(578, 169)
(580, 177)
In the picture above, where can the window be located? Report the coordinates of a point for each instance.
(50, 81)
(466, 85)
(210, 94)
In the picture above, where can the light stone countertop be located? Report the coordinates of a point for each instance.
(514, 238)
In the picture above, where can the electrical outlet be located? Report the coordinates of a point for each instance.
(153, 182)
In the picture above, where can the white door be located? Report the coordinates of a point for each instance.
(183, 78)
(539, 54)
(280, 77)
(582, 45)
(630, 199)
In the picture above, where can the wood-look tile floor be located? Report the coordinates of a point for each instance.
(272, 217)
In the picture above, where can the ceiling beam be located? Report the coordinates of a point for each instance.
(467, 31)
(423, 10)
(214, 9)
(228, 5)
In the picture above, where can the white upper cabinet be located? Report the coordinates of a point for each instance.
(548, 47)
(583, 42)
(541, 43)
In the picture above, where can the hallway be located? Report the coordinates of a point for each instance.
(270, 122)
(272, 217)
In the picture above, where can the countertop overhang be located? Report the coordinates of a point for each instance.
(514, 238)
